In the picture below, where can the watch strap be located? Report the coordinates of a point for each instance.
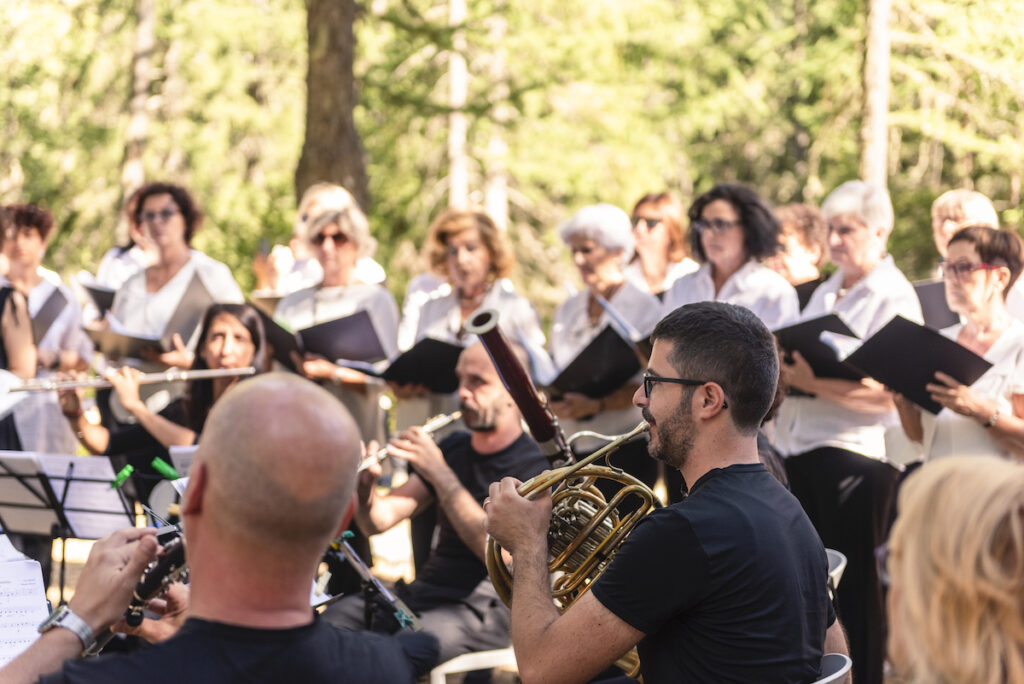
(64, 617)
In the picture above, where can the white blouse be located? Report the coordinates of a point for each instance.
(41, 425)
(805, 423)
(438, 316)
(950, 434)
(571, 331)
(753, 286)
(118, 265)
(311, 306)
(676, 269)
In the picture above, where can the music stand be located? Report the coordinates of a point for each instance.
(63, 496)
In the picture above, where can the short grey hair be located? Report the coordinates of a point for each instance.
(351, 221)
(869, 203)
(605, 224)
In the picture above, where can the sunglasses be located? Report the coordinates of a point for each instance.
(716, 226)
(164, 215)
(961, 269)
(650, 222)
(651, 380)
(337, 238)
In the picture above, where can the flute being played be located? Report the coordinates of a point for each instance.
(431, 426)
(99, 382)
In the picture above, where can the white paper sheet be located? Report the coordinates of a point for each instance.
(22, 601)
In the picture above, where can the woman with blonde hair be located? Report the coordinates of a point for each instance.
(956, 566)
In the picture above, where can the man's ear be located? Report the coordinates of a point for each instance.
(192, 502)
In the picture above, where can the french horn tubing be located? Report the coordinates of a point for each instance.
(586, 530)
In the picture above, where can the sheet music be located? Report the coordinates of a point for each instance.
(24, 603)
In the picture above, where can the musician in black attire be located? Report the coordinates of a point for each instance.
(452, 594)
(728, 585)
(231, 336)
(268, 490)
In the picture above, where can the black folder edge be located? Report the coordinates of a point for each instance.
(429, 362)
(969, 368)
(117, 346)
(47, 314)
(931, 294)
(586, 366)
(102, 297)
(283, 340)
(311, 337)
(804, 337)
(188, 315)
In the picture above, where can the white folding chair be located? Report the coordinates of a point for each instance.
(834, 668)
(467, 662)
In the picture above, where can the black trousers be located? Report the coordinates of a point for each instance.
(848, 496)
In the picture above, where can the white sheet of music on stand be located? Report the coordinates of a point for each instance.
(22, 601)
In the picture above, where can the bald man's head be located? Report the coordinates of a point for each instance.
(281, 456)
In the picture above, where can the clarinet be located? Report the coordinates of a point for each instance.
(168, 567)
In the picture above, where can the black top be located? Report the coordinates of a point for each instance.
(218, 653)
(728, 585)
(453, 565)
(805, 290)
(9, 440)
(134, 437)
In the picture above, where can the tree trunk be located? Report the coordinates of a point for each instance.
(133, 173)
(496, 185)
(458, 124)
(332, 151)
(874, 139)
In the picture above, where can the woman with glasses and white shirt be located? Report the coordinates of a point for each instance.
(982, 265)
(338, 238)
(661, 257)
(731, 231)
(834, 435)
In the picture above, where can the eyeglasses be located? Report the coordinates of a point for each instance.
(716, 226)
(164, 215)
(650, 222)
(651, 380)
(962, 269)
(336, 238)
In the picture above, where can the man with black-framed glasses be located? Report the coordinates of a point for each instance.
(728, 585)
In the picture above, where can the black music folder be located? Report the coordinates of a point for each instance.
(189, 315)
(429, 362)
(102, 297)
(604, 365)
(932, 295)
(47, 314)
(351, 338)
(905, 356)
(115, 345)
(806, 338)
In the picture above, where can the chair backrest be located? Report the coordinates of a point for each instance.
(834, 668)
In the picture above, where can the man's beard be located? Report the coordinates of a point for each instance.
(479, 418)
(675, 438)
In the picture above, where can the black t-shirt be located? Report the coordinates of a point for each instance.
(217, 653)
(728, 585)
(452, 565)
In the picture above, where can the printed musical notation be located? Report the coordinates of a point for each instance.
(22, 602)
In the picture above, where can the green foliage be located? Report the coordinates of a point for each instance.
(596, 100)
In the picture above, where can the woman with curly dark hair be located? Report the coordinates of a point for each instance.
(731, 231)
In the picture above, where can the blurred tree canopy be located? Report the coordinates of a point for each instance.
(595, 100)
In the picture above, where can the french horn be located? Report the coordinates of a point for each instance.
(586, 530)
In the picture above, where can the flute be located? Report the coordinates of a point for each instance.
(430, 427)
(99, 382)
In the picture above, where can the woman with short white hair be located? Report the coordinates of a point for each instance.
(600, 238)
(834, 434)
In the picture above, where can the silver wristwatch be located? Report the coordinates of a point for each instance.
(63, 617)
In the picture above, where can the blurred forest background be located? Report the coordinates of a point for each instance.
(533, 109)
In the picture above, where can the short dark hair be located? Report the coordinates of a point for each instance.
(188, 207)
(727, 344)
(31, 216)
(997, 247)
(760, 227)
(807, 222)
